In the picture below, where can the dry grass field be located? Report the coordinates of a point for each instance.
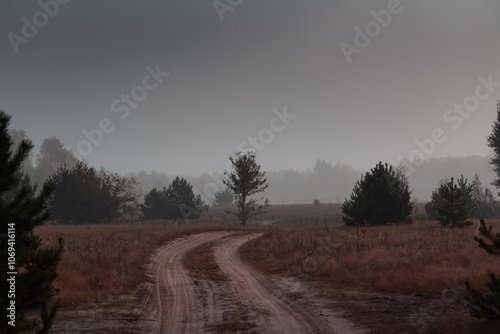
(400, 278)
(410, 277)
(412, 258)
(100, 261)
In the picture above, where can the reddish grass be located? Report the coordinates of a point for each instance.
(105, 260)
(201, 263)
(406, 258)
(413, 267)
(418, 259)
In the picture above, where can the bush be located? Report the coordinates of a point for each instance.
(381, 197)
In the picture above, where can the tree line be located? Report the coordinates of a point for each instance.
(79, 194)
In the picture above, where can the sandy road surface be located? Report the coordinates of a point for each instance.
(248, 302)
(171, 305)
(274, 311)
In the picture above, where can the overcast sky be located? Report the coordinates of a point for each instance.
(179, 86)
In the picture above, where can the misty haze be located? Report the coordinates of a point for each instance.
(234, 166)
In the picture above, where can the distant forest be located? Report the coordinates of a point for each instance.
(326, 181)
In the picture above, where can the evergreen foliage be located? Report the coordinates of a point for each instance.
(245, 180)
(486, 305)
(180, 194)
(175, 202)
(453, 212)
(83, 196)
(493, 141)
(36, 267)
(223, 198)
(157, 205)
(382, 196)
(479, 202)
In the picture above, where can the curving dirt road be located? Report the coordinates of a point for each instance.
(248, 302)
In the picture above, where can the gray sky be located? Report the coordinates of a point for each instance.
(229, 70)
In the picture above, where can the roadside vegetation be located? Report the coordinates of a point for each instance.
(101, 262)
(398, 278)
(201, 263)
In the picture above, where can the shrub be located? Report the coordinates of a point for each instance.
(381, 197)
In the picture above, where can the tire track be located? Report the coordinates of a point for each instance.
(170, 304)
(176, 303)
(272, 309)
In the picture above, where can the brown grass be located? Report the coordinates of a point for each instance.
(406, 258)
(285, 215)
(406, 278)
(303, 240)
(201, 263)
(101, 261)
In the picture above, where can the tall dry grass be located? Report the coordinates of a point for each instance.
(415, 258)
(101, 261)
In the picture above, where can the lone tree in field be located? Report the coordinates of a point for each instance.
(381, 197)
(245, 180)
(20, 212)
(486, 305)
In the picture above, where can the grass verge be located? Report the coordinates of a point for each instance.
(101, 262)
(201, 263)
(406, 278)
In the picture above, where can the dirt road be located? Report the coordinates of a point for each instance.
(248, 302)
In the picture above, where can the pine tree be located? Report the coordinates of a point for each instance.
(84, 196)
(157, 205)
(380, 197)
(245, 180)
(176, 202)
(493, 141)
(180, 193)
(223, 198)
(35, 266)
(486, 305)
(453, 211)
(485, 204)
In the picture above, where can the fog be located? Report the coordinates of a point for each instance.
(178, 87)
